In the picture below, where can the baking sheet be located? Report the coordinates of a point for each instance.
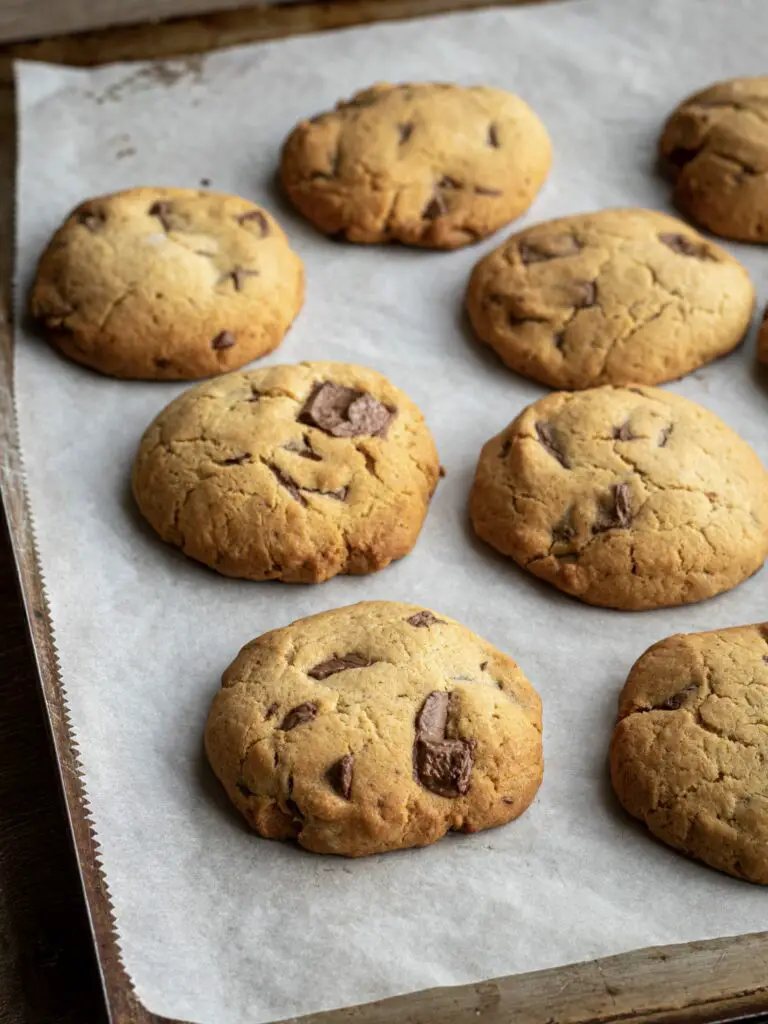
(216, 925)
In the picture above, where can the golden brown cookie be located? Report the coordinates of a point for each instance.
(615, 297)
(425, 164)
(167, 284)
(294, 473)
(690, 748)
(624, 497)
(715, 145)
(375, 727)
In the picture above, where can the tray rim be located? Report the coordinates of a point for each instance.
(686, 983)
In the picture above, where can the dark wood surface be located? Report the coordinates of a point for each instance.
(48, 971)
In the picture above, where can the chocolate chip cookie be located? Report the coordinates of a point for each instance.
(167, 284)
(715, 146)
(293, 473)
(629, 498)
(689, 752)
(615, 297)
(375, 727)
(430, 165)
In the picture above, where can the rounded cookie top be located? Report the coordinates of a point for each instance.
(615, 297)
(294, 473)
(375, 727)
(167, 284)
(624, 497)
(425, 164)
(689, 750)
(715, 145)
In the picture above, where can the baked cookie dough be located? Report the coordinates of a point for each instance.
(690, 748)
(628, 498)
(375, 727)
(615, 297)
(293, 473)
(432, 165)
(715, 146)
(167, 284)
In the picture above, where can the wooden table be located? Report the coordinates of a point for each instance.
(48, 972)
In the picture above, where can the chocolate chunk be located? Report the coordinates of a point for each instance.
(493, 136)
(549, 249)
(286, 482)
(564, 531)
(239, 274)
(684, 246)
(345, 412)
(677, 700)
(664, 435)
(445, 768)
(255, 217)
(481, 190)
(162, 210)
(405, 130)
(435, 208)
(623, 502)
(224, 339)
(446, 182)
(339, 664)
(585, 295)
(483, 666)
(424, 619)
(340, 775)
(303, 449)
(432, 719)
(91, 219)
(547, 439)
(302, 713)
(270, 712)
(618, 515)
(624, 432)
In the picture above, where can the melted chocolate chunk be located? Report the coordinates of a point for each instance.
(618, 515)
(91, 219)
(624, 433)
(344, 412)
(302, 713)
(405, 130)
(303, 450)
(224, 339)
(677, 700)
(435, 208)
(549, 249)
(585, 295)
(424, 619)
(686, 247)
(493, 136)
(339, 664)
(162, 210)
(287, 483)
(255, 217)
(547, 439)
(270, 712)
(340, 775)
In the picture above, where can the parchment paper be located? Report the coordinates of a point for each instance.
(215, 924)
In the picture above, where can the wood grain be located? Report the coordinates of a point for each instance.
(44, 942)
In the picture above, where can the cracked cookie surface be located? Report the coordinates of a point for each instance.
(167, 284)
(715, 146)
(375, 727)
(688, 754)
(432, 165)
(629, 498)
(295, 473)
(614, 297)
